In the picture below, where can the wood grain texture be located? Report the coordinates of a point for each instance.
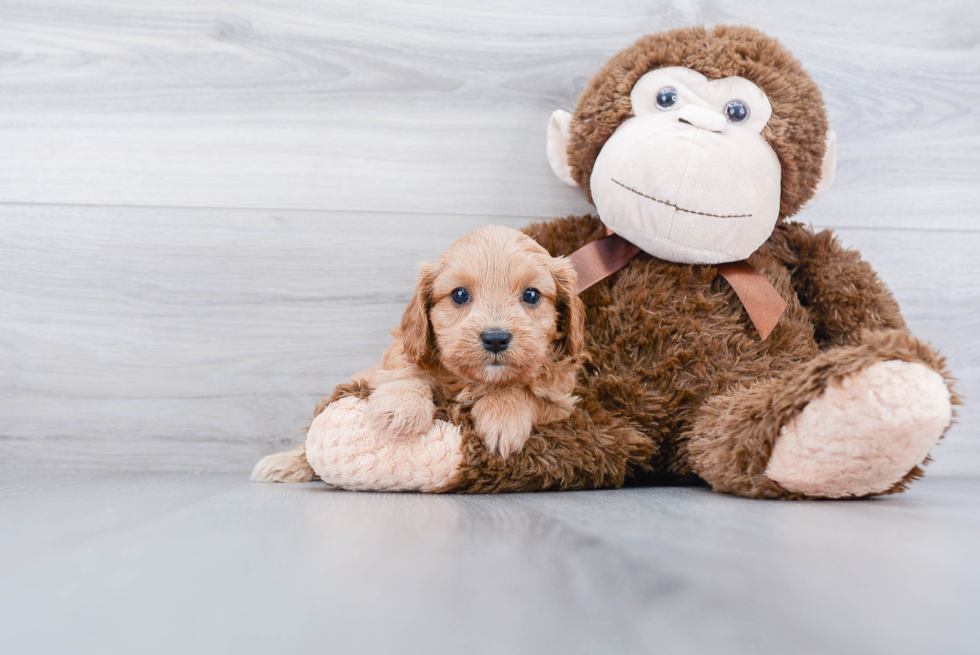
(441, 107)
(164, 563)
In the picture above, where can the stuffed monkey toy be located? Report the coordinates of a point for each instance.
(725, 343)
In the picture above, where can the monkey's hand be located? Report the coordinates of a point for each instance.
(504, 420)
(401, 407)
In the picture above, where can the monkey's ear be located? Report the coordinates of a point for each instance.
(418, 341)
(827, 169)
(558, 146)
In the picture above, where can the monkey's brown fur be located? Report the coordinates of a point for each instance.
(677, 382)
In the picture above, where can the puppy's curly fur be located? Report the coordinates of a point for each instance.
(438, 354)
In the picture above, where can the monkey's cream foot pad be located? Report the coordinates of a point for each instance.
(863, 434)
(345, 452)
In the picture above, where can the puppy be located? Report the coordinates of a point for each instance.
(495, 323)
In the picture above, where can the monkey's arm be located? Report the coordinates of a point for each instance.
(841, 292)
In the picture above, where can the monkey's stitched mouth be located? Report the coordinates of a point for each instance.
(680, 209)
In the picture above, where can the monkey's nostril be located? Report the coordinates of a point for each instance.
(496, 341)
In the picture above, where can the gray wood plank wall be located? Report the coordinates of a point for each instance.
(211, 211)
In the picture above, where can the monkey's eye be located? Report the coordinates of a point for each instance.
(531, 296)
(667, 97)
(736, 111)
(460, 296)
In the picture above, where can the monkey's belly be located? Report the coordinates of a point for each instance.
(662, 338)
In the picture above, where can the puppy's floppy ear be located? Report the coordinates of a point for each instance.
(418, 342)
(571, 311)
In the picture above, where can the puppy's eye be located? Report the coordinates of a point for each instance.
(736, 111)
(460, 296)
(667, 97)
(531, 296)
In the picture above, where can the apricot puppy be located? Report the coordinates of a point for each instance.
(495, 323)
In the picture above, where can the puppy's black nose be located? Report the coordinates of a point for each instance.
(496, 341)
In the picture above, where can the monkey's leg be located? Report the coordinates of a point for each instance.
(588, 450)
(854, 421)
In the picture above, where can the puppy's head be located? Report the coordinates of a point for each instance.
(495, 308)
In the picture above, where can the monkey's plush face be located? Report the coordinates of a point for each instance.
(693, 143)
(690, 177)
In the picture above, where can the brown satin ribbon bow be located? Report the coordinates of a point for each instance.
(601, 258)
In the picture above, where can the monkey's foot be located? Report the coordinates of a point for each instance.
(863, 434)
(347, 451)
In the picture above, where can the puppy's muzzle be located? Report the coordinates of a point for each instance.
(495, 341)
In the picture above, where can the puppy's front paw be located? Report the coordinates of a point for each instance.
(401, 407)
(503, 423)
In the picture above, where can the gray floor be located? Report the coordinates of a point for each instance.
(210, 563)
(211, 213)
